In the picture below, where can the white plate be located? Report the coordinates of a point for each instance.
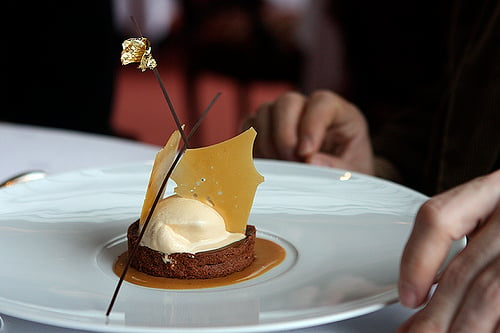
(343, 237)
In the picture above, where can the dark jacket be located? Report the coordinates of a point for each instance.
(427, 75)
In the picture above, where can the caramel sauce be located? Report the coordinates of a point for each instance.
(267, 255)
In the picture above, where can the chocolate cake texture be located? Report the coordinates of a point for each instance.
(202, 265)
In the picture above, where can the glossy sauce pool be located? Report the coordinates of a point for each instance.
(267, 255)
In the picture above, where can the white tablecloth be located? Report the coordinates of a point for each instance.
(25, 148)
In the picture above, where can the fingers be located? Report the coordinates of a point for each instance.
(320, 112)
(441, 220)
(326, 110)
(296, 127)
(263, 146)
(276, 124)
(470, 280)
(422, 258)
(334, 126)
(327, 160)
(480, 311)
(288, 111)
(467, 298)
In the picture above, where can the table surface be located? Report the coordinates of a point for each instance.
(25, 148)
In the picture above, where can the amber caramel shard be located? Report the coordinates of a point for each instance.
(163, 161)
(222, 176)
(138, 50)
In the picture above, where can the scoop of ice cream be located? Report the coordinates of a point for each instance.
(186, 225)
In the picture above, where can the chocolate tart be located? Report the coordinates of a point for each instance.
(202, 265)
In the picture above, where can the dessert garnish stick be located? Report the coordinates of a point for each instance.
(138, 49)
(170, 106)
(157, 199)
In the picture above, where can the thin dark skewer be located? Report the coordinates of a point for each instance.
(155, 203)
(137, 26)
(170, 106)
(164, 90)
(198, 122)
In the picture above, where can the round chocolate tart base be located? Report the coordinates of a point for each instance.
(202, 265)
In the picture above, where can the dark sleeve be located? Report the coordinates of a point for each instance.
(395, 55)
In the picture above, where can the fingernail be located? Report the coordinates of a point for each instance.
(306, 146)
(317, 160)
(407, 295)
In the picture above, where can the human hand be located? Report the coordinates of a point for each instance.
(322, 129)
(467, 298)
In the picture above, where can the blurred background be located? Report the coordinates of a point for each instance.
(65, 70)
(63, 61)
(245, 49)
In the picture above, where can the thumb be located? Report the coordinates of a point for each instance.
(322, 159)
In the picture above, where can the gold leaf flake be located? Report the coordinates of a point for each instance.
(138, 50)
